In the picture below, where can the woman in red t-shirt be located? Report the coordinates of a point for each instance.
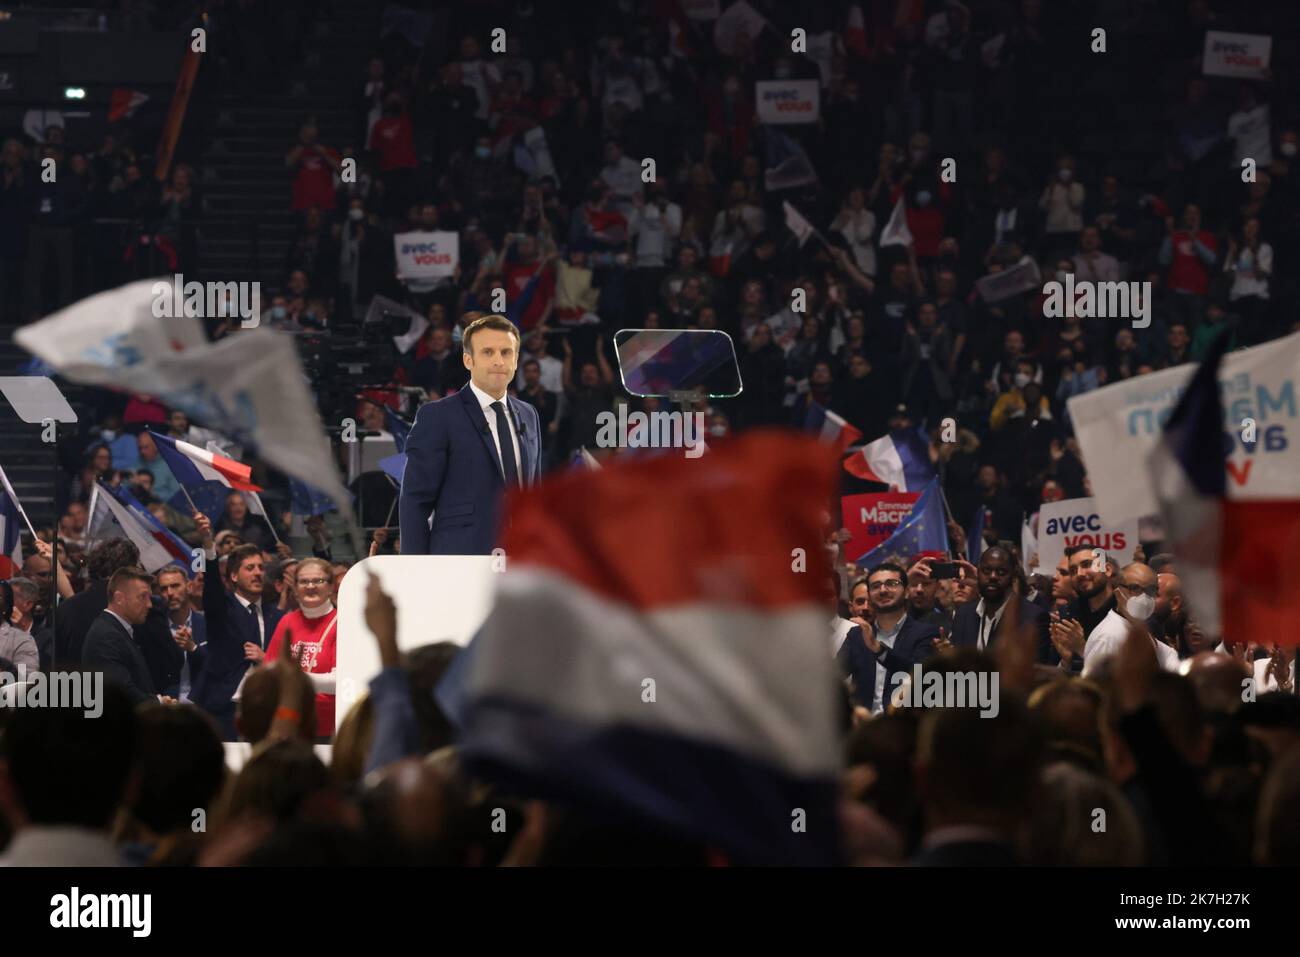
(312, 627)
(313, 183)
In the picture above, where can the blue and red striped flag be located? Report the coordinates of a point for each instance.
(682, 681)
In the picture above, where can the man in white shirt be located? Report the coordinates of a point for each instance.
(550, 368)
(622, 174)
(840, 627)
(1135, 603)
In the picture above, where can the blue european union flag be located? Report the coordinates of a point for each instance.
(398, 426)
(306, 500)
(925, 530)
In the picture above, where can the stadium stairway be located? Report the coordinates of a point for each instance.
(248, 226)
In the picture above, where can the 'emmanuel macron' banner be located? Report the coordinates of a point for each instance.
(426, 255)
(1118, 426)
(1076, 521)
(787, 101)
(873, 517)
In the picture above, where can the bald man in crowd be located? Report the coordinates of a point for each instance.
(1135, 603)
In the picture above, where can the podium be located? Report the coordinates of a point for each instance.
(438, 598)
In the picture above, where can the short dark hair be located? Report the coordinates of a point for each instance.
(889, 567)
(107, 557)
(170, 570)
(491, 321)
(238, 555)
(125, 574)
(182, 765)
(67, 767)
(1072, 549)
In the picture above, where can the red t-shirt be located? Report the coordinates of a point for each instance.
(317, 640)
(1187, 273)
(391, 138)
(314, 183)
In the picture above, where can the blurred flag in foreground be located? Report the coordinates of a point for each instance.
(1233, 554)
(249, 386)
(684, 680)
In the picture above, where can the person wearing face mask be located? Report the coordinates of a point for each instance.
(311, 632)
(1135, 604)
(1012, 403)
(1062, 203)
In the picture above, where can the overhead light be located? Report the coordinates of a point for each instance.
(74, 93)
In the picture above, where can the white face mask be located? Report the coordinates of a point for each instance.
(1140, 608)
(1288, 149)
(356, 214)
(1021, 380)
(1065, 174)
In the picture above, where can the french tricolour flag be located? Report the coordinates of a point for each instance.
(192, 465)
(683, 680)
(116, 513)
(1234, 556)
(12, 522)
(831, 427)
(900, 460)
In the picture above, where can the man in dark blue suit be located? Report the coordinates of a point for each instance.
(977, 625)
(239, 627)
(188, 629)
(464, 451)
(874, 653)
(112, 644)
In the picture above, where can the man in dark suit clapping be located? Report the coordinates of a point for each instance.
(976, 625)
(873, 654)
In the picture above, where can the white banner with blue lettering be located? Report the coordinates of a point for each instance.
(1118, 426)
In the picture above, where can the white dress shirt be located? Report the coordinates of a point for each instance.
(886, 638)
(989, 625)
(183, 694)
(485, 403)
(261, 621)
(1105, 641)
(1265, 682)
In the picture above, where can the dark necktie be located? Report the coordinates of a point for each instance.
(257, 631)
(508, 465)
